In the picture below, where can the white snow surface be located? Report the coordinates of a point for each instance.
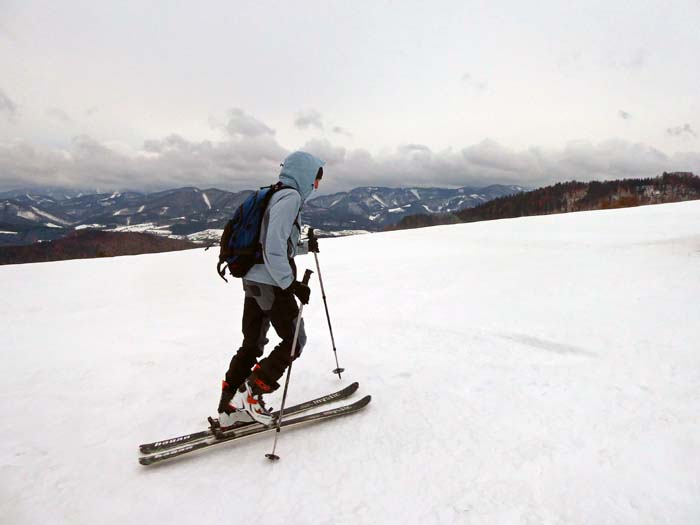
(380, 201)
(206, 235)
(535, 370)
(85, 226)
(47, 215)
(341, 233)
(31, 216)
(206, 200)
(144, 227)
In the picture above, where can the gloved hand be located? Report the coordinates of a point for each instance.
(313, 241)
(301, 290)
(313, 244)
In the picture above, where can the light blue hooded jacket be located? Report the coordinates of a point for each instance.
(281, 226)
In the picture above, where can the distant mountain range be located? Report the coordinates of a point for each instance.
(375, 208)
(571, 196)
(34, 215)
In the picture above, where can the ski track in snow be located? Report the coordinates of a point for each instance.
(534, 370)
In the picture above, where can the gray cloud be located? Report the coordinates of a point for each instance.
(309, 118)
(250, 156)
(624, 115)
(59, 115)
(7, 106)
(169, 162)
(341, 131)
(488, 162)
(477, 85)
(681, 131)
(240, 124)
(489, 156)
(323, 149)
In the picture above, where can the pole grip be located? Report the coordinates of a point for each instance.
(307, 277)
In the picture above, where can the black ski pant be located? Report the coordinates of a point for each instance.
(264, 305)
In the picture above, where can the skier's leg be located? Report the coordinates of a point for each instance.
(255, 326)
(283, 315)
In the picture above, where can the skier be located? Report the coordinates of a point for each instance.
(270, 288)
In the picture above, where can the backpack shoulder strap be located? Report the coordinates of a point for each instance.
(281, 186)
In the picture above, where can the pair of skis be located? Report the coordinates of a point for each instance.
(170, 448)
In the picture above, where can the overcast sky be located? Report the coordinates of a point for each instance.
(149, 95)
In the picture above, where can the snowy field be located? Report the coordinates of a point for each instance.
(536, 370)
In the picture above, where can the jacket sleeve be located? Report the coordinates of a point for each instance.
(281, 217)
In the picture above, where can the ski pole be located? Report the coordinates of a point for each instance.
(272, 456)
(337, 370)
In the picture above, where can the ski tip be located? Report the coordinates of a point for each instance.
(350, 389)
(145, 461)
(364, 401)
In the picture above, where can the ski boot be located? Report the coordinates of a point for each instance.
(248, 399)
(229, 415)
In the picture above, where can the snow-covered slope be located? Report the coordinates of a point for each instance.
(536, 370)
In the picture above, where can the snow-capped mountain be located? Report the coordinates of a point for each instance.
(30, 216)
(374, 208)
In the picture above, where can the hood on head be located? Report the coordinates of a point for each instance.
(299, 171)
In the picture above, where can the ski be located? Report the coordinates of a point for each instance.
(249, 430)
(156, 446)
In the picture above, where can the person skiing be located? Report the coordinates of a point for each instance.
(270, 288)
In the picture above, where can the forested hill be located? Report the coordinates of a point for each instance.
(90, 244)
(572, 196)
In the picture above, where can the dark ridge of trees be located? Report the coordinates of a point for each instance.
(565, 197)
(89, 244)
